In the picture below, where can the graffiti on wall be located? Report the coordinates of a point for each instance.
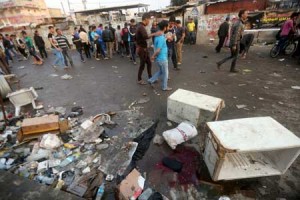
(209, 24)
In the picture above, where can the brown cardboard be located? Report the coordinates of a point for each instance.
(129, 187)
(40, 124)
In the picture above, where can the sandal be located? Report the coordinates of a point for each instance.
(141, 82)
(167, 89)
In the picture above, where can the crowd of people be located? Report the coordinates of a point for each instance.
(132, 41)
(105, 42)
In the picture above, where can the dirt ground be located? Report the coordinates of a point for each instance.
(263, 85)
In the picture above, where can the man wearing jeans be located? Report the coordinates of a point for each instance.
(161, 57)
(235, 40)
(59, 58)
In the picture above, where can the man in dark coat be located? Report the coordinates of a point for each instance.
(39, 42)
(222, 34)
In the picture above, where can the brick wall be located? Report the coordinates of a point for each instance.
(235, 6)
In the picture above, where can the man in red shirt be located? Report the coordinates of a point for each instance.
(288, 28)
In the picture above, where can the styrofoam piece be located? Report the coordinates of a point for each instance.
(248, 148)
(23, 97)
(184, 105)
(4, 87)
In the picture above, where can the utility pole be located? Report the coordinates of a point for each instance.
(84, 4)
(62, 5)
(69, 6)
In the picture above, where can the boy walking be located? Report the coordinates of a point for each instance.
(161, 57)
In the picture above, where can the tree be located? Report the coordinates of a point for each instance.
(178, 2)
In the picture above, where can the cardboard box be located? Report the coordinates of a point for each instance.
(35, 127)
(132, 186)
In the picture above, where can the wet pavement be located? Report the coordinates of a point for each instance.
(263, 85)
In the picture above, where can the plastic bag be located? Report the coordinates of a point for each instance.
(50, 141)
(184, 132)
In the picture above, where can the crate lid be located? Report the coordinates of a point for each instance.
(198, 100)
(253, 134)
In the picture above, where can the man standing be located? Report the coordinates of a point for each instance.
(100, 42)
(222, 34)
(154, 29)
(132, 40)
(64, 44)
(77, 42)
(235, 39)
(125, 36)
(108, 39)
(180, 35)
(191, 28)
(142, 47)
(119, 45)
(171, 39)
(113, 31)
(161, 57)
(39, 42)
(57, 51)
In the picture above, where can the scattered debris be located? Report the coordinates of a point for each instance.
(169, 123)
(143, 100)
(260, 98)
(247, 70)
(66, 77)
(21, 67)
(115, 67)
(266, 87)
(295, 87)
(281, 103)
(54, 75)
(241, 106)
(240, 85)
(281, 60)
(132, 186)
(158, 139)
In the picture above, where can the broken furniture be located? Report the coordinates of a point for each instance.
(4, 87)
(185, 105)
(248, 148)
(35, 127)
(23, 97)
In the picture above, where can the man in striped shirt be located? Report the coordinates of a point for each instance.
(64, 44)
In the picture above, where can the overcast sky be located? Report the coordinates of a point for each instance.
(93, 4)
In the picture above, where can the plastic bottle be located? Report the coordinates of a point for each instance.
(69, 159)
(100, 191)
(146, 194)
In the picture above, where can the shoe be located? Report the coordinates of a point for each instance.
(134, 63)
(179, 63)
(55, 67)
(83, 61)
(176, 68)
(218, 65)
(152, 84)
(234, 71)
(141, 82)
(66, 67)
(167, 89)
(128, 56)
(106, 58)
(97, 58)
(72, 64)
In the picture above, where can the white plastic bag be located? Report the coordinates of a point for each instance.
(184, 132)
(50, 141)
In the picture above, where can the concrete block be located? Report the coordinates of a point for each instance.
(190, 106)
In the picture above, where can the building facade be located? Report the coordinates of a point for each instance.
(25, 12)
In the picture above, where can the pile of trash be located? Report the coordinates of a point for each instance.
(84, 157)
